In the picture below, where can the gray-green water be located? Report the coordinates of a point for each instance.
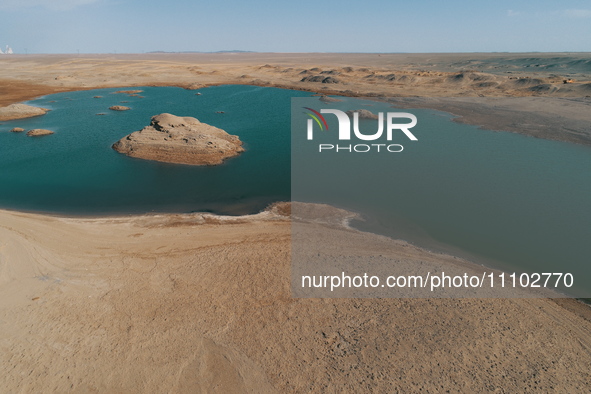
(507, 200)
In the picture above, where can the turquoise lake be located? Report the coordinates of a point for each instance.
(508, 200)
(75, 171)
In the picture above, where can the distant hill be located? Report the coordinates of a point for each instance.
(230, 51)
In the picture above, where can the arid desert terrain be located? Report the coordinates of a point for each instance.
(202, 303)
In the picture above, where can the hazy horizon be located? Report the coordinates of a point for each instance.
(377, 26)
(287, 52)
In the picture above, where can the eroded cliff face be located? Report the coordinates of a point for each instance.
(181, 140)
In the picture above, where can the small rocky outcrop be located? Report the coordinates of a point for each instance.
(363, 114)
(315, 78)
(328, 99)
(17, 130)
(20, 111)
(320, 78)
(129, 92)
(119, 108)
(39, 132)
(181, 140)
(330, 72)
(330, 80)
(388, 77)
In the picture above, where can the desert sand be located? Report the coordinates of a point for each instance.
(200, 303)
(182, 140)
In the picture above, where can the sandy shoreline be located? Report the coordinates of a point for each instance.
(198, 302)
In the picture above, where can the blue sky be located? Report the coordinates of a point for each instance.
(135, 26)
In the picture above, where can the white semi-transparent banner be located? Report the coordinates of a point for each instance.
(394, 201)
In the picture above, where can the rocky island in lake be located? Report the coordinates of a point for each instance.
(363, 114)
(39, 132)
(20, 111)
(119, 108)
(181, 140)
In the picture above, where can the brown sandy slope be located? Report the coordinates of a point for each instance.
(23, 77)
(200, 304)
